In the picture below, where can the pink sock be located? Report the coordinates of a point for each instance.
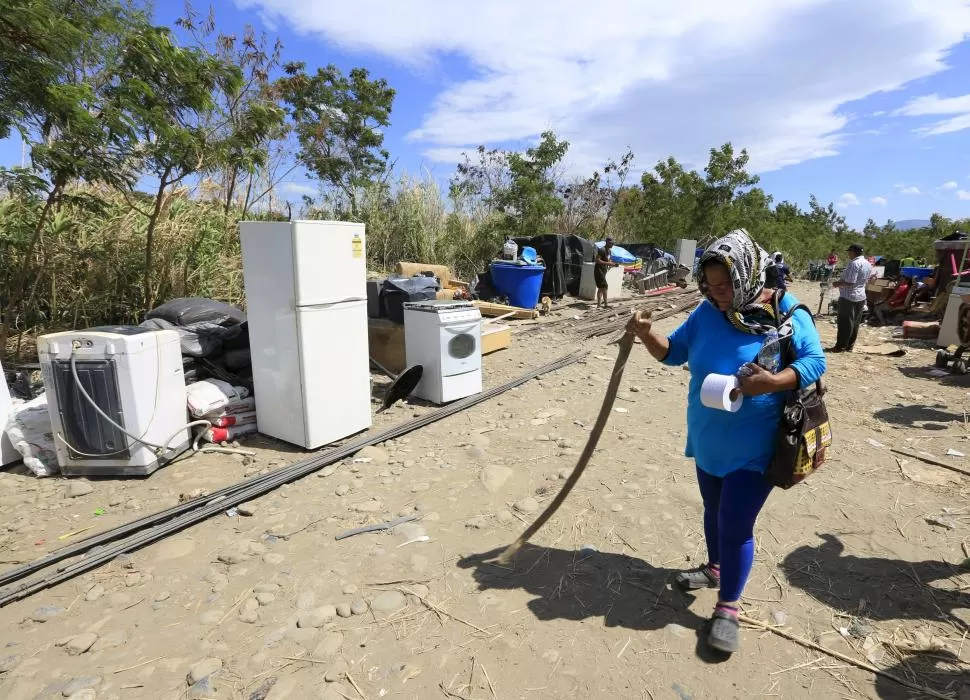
(731, 610)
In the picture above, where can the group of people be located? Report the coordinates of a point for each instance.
(853, 300)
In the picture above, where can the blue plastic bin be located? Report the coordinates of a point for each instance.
(522, 284)
(916, 273)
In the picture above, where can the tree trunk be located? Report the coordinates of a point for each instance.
(230, 190)
(150, 238)
(20, 282)
(249, 192)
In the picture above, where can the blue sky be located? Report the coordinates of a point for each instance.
(858, 101)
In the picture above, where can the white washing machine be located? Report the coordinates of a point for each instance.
(445, 337)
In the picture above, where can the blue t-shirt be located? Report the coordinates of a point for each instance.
(719, 441)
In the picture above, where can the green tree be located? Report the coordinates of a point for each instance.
(725, 178)
(531, 199)
(339, 122)
(60, 59)
(245, 120)
(166, 90)
(670, 204)
(40, 42)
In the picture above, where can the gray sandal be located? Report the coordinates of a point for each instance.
(703, 577)
(725, 633)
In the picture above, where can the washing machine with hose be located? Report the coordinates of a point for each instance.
(116, 397)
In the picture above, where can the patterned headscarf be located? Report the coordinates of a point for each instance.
(746, 262)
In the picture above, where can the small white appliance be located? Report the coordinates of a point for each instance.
(445, 337)
(587, 281)
(614, 282)
(686, 254)
(950, 326)
(306, 304)
(8, 455)
(116, 396)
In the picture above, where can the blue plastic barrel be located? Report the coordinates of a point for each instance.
(916, 273)
(522, 284)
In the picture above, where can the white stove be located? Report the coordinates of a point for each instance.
(445, 337)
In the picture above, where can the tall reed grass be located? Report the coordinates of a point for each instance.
(89, 267)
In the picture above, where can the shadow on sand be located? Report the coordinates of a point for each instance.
(892, 589)
(579, 585)
(932, 417)
(940, 671)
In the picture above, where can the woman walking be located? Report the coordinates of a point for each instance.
(724, 335)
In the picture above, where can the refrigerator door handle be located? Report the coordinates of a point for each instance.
(324, 304)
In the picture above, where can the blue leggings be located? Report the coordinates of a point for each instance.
(731, 506)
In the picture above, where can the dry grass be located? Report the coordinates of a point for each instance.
(89, 267)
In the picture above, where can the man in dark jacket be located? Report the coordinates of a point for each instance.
(603, 263)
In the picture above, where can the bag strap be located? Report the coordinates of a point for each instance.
(781, 320)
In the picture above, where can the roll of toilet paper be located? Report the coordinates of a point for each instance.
(721, 391)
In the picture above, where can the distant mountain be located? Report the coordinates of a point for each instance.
(909, 224)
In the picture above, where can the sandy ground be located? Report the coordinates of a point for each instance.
(863, 558)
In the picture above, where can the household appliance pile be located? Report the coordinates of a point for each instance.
(120, 403)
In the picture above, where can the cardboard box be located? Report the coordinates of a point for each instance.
(386, 343)
(495, 337)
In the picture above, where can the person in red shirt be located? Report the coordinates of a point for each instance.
(832, 261)
(894, 303)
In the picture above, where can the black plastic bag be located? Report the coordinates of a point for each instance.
(237, 359)
(197, 340)
(187, 311)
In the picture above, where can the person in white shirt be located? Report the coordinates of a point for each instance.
(852, 299)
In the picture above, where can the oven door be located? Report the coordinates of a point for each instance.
(461, 348)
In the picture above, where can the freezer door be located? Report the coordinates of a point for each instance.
(330, 262)
(335, 371)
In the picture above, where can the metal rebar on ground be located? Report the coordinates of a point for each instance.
(97, 550)
(682, 302)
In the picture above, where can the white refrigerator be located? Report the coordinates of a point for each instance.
(306, 303)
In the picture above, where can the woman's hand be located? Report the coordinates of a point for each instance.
(640, 325)
(756, 381)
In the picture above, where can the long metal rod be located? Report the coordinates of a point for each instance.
(231, 496)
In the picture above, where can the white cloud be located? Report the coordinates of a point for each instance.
(880, 201)
(956, 109)
(664, 78)
(963, 194)
(950, 185)
(910, 190)
(297, 189)
(848, 199)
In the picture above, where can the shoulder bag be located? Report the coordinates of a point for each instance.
(804, 433)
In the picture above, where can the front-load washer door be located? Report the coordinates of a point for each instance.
(461, 348)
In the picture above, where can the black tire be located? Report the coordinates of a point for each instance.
(942, 359)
